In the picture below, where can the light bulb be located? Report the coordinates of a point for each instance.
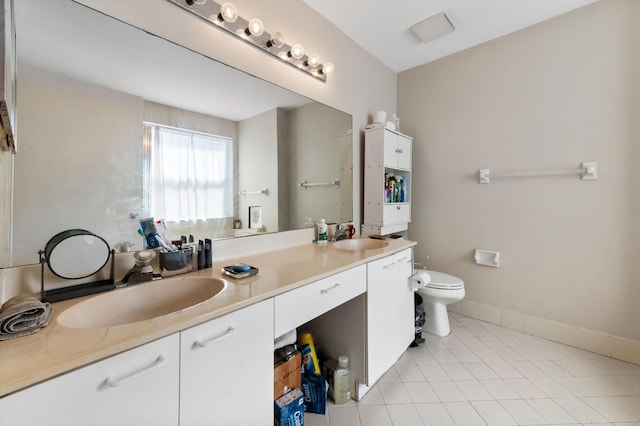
(327, 68)
(313, 60)
(255, 28)
(277, 40)
(297, 51)
(228, 12)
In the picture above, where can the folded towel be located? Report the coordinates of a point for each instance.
(23, 315)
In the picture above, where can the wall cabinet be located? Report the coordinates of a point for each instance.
(390, 312)
(226, 366)
(387, 181)
(138, 387)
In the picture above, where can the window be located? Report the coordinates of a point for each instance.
(187, 175)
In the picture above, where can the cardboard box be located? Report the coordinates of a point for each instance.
(289, 409)
(286, 374)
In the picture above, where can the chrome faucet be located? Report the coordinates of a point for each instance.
(340, 234)
(142, 270)
(344, 231)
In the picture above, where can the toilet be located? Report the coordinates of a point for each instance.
(437, 290)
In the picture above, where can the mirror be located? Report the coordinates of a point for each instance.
(87, 82)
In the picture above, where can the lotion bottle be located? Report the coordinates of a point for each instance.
(322, 232)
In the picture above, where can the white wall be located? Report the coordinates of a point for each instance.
(258, 167)
(50, 192)
(359, 86)
(314, 133)
(547, 97)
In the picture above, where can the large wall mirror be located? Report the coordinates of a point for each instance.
(96, 101)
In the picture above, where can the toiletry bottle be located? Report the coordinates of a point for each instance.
(392, 189)
(208, 253)
(405, 195)
(342, 381)
(386, 188)
(308, 223)
(322, 232)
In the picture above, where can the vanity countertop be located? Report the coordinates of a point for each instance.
(56, 349)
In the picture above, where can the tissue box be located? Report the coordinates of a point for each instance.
(286, 374)
(289, 409)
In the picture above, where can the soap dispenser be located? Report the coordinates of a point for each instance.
(322, 232)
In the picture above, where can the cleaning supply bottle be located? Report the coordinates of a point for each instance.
(342, 381)
(309, 357)
(405, 195)
(322, 232)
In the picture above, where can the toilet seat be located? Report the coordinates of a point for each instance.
(443, 281)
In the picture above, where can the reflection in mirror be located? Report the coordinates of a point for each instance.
(91, 93)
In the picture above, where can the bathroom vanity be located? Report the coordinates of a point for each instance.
(215, 359)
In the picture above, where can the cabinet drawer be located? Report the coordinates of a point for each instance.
(301, 305)
(396, 213)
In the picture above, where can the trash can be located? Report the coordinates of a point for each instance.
(419, 320)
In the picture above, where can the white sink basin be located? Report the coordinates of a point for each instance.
(360, 244)
(141, 302)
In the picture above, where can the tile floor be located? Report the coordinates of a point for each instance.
(483, 374)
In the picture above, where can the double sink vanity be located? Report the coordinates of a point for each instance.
(199, 346)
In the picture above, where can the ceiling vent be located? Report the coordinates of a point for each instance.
(433, 27)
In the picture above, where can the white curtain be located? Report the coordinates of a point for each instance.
(190, 174)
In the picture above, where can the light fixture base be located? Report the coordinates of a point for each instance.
(265, 41)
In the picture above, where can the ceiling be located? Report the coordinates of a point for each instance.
(383, 27)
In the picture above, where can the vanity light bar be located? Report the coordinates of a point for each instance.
(225, 17)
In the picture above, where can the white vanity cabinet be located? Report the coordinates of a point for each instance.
(387, 154)
(138, 388)
(390, 312)
(226, 369)
(376, 328)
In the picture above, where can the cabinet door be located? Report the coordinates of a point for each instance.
(138, 387)
(390, 312)
(226, 369)
(396, 213)
(404, 153)
(390, 149)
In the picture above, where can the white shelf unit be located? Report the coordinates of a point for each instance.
(387, 153)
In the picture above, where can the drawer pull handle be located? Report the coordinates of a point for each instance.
(397, 207)
(327, 290)
(159, 362)
(403, 259)
(205, 343)
(388, 265)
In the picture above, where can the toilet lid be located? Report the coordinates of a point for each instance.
(444, 281)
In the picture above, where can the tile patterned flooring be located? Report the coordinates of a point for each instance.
(483, 374)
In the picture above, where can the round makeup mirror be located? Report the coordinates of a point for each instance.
(76, 253)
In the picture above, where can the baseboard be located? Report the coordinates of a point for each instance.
(593, 341)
